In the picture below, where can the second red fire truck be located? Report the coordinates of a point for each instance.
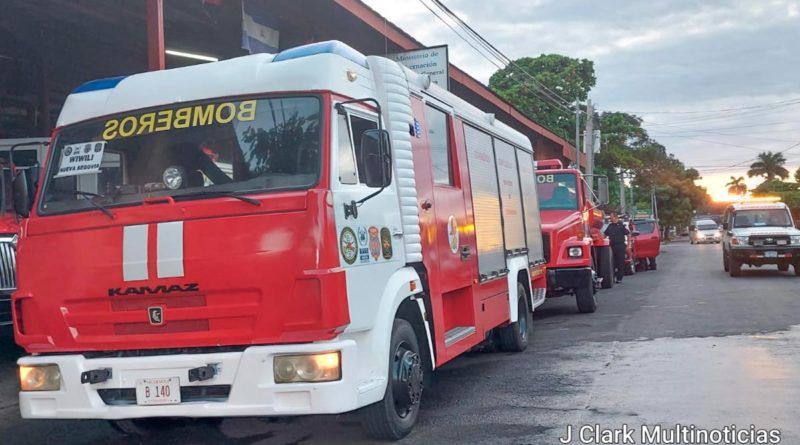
(303, 233)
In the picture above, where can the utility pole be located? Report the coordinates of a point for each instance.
(577, 133)
(621, 191)
(654, 203)
(588, 142)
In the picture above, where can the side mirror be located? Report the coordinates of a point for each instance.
(374, 151)
(21, 194)
(725, 226)
(602, 190)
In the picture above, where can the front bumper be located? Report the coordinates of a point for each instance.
(249, 373)
(759, 255)
(569, 277)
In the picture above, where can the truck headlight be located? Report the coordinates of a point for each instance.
(39, 378)
(795, 239)
(324, 367)
(575, 252)
(739, 240)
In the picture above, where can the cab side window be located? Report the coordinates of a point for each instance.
(350, 128)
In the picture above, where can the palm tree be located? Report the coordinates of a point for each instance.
(737, 186)
(769, 164)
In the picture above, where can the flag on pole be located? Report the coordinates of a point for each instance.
(259, 29)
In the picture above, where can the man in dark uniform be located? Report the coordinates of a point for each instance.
(616, 233)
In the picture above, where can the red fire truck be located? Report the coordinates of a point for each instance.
(28, 154)
(578, 253)
(302, 233)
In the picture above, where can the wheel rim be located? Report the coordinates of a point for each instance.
(406, 379)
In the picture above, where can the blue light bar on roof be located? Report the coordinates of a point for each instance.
(329, 47)
(99, 84)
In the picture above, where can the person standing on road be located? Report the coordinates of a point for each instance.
(616, 233)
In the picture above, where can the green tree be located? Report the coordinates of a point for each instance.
(769, 165)
(566, 77)
(736, 186)
(797, 176)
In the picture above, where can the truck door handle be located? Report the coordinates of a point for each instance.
(465, 252)
(653, 237)
(426, 205)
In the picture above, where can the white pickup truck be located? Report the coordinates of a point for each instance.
(757, 234)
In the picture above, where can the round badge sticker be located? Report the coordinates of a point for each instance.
(348, 244)
(452, 233)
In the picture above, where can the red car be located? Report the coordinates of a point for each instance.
(647, 243)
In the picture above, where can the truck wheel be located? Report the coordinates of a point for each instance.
(393, 417)
(630, 268)
(725, 262)
(783, 267)
(735, 266)
(606, 264)
(586, 299)
(514, 337)
(797, 269)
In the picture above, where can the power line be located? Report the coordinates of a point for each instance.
(787, 102)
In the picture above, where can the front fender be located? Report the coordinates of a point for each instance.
(373, 344)
(515, 265)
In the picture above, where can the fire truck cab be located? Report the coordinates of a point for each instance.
(578, 253)
(308, 232)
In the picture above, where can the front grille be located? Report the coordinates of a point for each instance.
(769, 240)
(546, 247)
(8, 266)
(127, 396)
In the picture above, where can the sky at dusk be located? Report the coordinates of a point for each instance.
(715, 82)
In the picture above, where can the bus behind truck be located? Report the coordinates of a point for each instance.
(310, 232)
(578, 253)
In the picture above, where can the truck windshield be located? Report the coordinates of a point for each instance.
(242, 145)
(762, 218)
(557, 191)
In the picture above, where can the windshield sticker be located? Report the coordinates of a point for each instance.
(179, 118)
(386, 243)
(81, 159)
(348, 245)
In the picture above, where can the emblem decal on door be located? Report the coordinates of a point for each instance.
(452, 234)
(348, 245)
(374, 243)
(386, 243)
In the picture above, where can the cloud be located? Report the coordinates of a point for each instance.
(656, 55)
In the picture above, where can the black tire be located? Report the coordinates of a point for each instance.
(652, 263)
(630, 268)
(783, 267)
(605, 261)
(735, 267)
(514, 337)
(586, 299)
(797, 269)
(394, 417)
(725, 262)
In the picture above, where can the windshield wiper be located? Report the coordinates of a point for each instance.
(213, 194)
(101, 207)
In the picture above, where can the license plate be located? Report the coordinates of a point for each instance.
(158, 391)
(770, 254)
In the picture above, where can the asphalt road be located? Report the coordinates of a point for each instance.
(684, 345)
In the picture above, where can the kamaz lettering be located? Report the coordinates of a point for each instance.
(146, 290)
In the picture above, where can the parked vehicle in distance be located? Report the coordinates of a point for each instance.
(759, 234)
(647, 242)
(705, 231)
(577, 251)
